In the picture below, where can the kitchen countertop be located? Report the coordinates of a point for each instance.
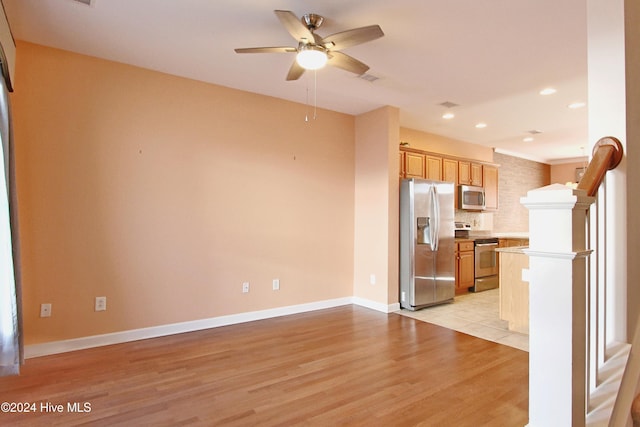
(481, 234)
(471, 235)
(514, 235)
(513, 249)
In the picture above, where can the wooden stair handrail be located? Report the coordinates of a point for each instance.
(607, 154)
(635, 411)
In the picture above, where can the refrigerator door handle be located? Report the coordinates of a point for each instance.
(435, 238)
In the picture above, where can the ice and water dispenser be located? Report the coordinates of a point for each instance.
(424, 231)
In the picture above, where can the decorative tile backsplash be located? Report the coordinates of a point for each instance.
(516, 177)
(478, 220)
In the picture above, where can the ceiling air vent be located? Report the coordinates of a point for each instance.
(368, 77)
(448, 104)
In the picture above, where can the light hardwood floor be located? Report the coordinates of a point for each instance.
(343, 366)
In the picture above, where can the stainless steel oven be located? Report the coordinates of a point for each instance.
(486, 265)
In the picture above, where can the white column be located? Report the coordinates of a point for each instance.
(557, 305)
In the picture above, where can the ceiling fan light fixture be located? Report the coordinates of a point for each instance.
(311, 57)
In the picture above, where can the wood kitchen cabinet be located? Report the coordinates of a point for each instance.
(477, 174)
(510, 242)
(514, 292)
(464, 173)
(450, 170)
(433, 167)
(464, 266)
(490, 179)
(417, 165)
(414, 165)
(450, 174)
(469, 173)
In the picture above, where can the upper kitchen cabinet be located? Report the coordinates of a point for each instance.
(433, 167)
(469, 173)
(420, 165)
(450, 174)
(477, 177)
(414, 165)
(450, 170)
(490, 178)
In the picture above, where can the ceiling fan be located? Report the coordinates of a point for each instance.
(313, 51)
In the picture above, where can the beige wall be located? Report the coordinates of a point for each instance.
(440, 144)
(632, 95)
(614, 99)
(516, 176)
(165, 194)
(565, 172)
(376, 207)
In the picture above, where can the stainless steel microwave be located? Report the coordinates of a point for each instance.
(471, 198)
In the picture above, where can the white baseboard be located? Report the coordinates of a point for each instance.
(44, 349)
(374, 305)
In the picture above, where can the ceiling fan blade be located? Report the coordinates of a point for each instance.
(353, 37)
(266, 50)
(346, 62)
(295, 72)
(294, 25)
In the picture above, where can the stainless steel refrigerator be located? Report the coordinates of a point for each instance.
(427, 264)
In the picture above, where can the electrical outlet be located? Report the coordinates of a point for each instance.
(101, 303)
(45, 310)
(276, 284)
(372, 279)
(245, 287)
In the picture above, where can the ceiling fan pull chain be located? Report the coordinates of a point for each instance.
(315, 94)
(306, 103)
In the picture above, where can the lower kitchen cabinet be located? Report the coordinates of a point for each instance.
(508, 242)
(464, 256)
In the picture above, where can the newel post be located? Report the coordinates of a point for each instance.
(557, 305)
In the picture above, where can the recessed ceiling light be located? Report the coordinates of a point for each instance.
(448, 115)
(575, 105)
(548, 91)
(481, 125)
(527, 139)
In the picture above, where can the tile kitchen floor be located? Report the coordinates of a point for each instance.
(473, 314)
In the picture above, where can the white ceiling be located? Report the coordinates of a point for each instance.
(491, 57)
